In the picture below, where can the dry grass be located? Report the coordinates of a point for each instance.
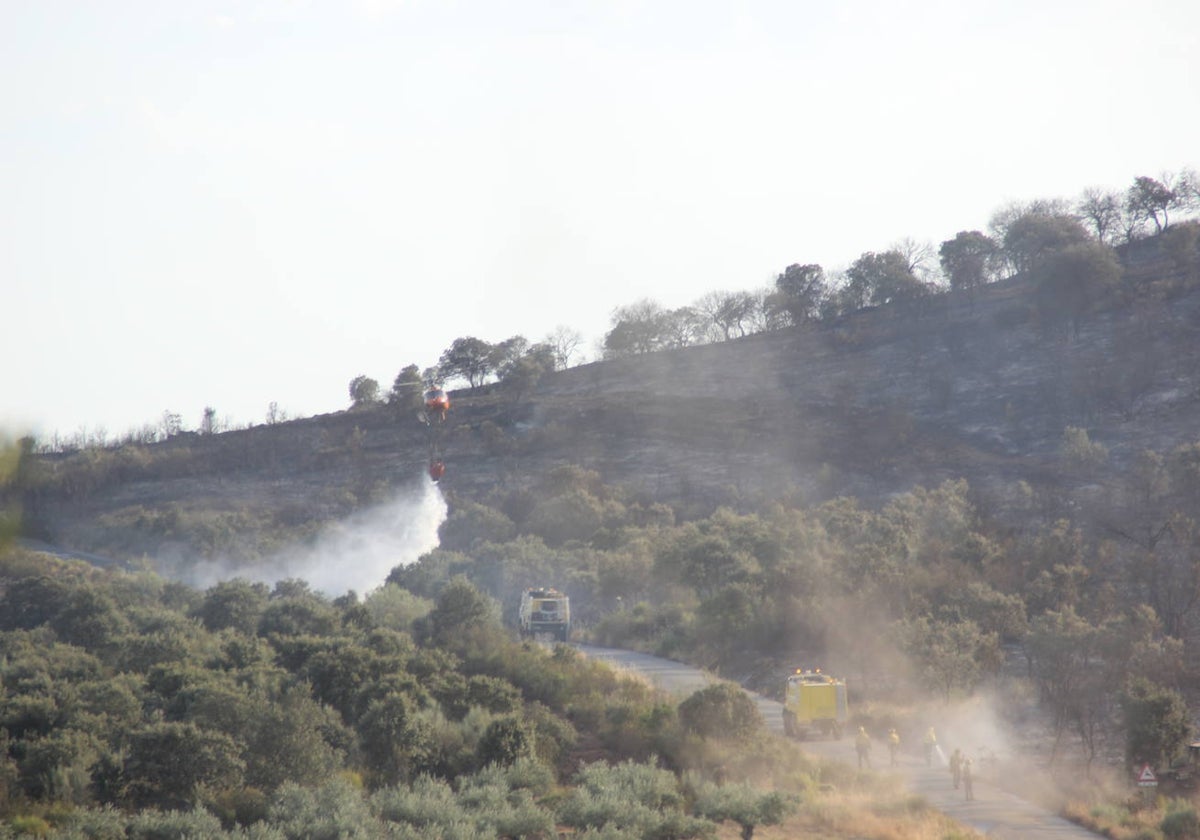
(1137, 817)
(860, 815)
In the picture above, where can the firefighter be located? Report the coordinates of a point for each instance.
(862, 746)
(968, 787)
(956, 764)
(893, 744)
(930, 743)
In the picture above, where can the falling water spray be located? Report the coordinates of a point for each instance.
(356, 553)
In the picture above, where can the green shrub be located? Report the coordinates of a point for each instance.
(504, 741)
(29, 825)
(742, 804)
(92, 824)
(174, 825)
(394, 607)
(631, 782)
(490, 802)
(336, 809)
(426, 802)
(721, 711)
(240, 806)
(523, 774)
(1181, 824)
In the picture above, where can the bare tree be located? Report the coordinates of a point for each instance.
(767, 315)
(171, 424)
(920, 256)
(1102, 211)
(1187, 190)
(209, 425)
(564, 341)
(730, 313)
(683, 327)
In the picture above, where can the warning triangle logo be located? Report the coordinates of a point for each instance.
(1147, 775)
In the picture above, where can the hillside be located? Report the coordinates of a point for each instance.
(869, 405)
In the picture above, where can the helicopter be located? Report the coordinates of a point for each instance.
(433, 409)
(435, 406)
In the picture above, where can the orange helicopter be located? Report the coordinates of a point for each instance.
(437, 404)
(436, 407)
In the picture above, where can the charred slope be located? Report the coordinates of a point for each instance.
(868, 406)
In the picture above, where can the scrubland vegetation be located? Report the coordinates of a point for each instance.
(136, 707)
(284, 700)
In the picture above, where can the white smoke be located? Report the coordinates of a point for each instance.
(356, 553)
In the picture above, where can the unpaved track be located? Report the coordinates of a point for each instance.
(993, 812)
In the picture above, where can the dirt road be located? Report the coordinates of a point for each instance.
(993, 812)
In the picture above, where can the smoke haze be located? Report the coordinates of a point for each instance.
(356, 553)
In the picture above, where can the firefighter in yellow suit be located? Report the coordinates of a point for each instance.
(862, 746)
(930, 743)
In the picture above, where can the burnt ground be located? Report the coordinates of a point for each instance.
(871, 405)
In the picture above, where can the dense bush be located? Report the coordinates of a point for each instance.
(721, 711)
(246, 702)
(1180, 824)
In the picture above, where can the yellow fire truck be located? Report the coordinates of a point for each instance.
(814, 702)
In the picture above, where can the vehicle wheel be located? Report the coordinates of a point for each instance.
(789, 725)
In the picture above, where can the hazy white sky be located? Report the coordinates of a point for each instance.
(232, 203)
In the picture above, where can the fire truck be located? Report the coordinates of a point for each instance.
(545, 611)
(814, 702)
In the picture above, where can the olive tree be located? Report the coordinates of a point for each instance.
(742, 804)
(968, 259)
(882, 278)
(1034, 235)
(1156, 720)
(951, 655)
(405, 394)
(469, 358)
(364, 391)
(1150, 201)
(800, 290)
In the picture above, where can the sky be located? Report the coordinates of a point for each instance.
(233, 204)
